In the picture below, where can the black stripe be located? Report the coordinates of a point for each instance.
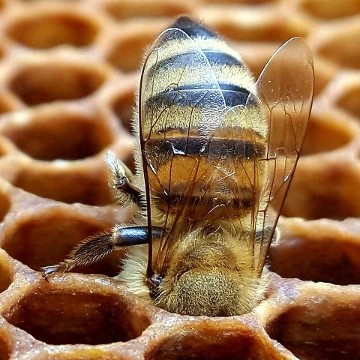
(192, 28)
(221, 58)
(222, 86)
(201, 205)
(213, 147)
(196, 95)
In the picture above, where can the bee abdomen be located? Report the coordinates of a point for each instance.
(211, 63)
(198, 115)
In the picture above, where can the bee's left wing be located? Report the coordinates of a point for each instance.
(285, 89)
(180, 106)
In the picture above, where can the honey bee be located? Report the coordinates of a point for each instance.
(216, 155)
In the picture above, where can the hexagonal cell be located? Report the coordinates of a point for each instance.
(348, 99)
(144, 8)
(46, 80)
(297, 254)
(325, 71)
(56, 133)
(323, 326)
(324, 187)
(337, 41)
(47, 237)
(127, 49)
(83, 182)
(44, 28)
(258, 24)
(214, 340)
(324, 9)
(77, 313)
(327, 130)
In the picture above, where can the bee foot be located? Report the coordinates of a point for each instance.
(48, 270)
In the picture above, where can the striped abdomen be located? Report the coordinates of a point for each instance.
(202, 128)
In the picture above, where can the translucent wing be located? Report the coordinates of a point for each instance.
(285, 89)
(216, 155)
(179, 110)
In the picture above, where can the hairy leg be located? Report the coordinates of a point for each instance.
(96, 248)
(122, 182)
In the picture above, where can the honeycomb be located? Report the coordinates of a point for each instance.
(68, 74)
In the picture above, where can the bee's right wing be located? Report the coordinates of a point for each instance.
(285, 90)
(180, 106)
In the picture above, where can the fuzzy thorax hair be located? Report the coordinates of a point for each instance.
(208, 275)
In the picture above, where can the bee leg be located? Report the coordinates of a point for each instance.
(98, 247)
(122, 180)
(89, 251)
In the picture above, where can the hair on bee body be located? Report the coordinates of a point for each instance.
(216, 153)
